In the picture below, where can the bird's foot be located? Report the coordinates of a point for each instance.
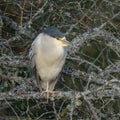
(47, 94)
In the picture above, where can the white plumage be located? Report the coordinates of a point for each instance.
(48, 53)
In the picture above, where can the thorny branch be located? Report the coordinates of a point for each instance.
(98, 83)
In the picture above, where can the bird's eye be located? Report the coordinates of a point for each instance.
(57, 38)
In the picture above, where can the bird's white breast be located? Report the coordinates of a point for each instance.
(49, 57)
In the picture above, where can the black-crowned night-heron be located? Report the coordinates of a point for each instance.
(48, 53)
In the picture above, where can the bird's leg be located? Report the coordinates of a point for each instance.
(47, 90)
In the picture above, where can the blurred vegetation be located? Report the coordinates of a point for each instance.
(92, 67)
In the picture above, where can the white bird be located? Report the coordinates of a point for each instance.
(48, 53)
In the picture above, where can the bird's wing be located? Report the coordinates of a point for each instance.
(32, 58)
(38, 79)
(32, 54)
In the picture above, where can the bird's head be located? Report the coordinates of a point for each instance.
(56, 35)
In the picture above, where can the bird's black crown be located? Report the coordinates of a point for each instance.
(52, 31)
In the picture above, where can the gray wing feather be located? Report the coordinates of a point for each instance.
(32, 58)
(31, 55)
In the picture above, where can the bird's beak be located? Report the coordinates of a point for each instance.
(64, 42)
